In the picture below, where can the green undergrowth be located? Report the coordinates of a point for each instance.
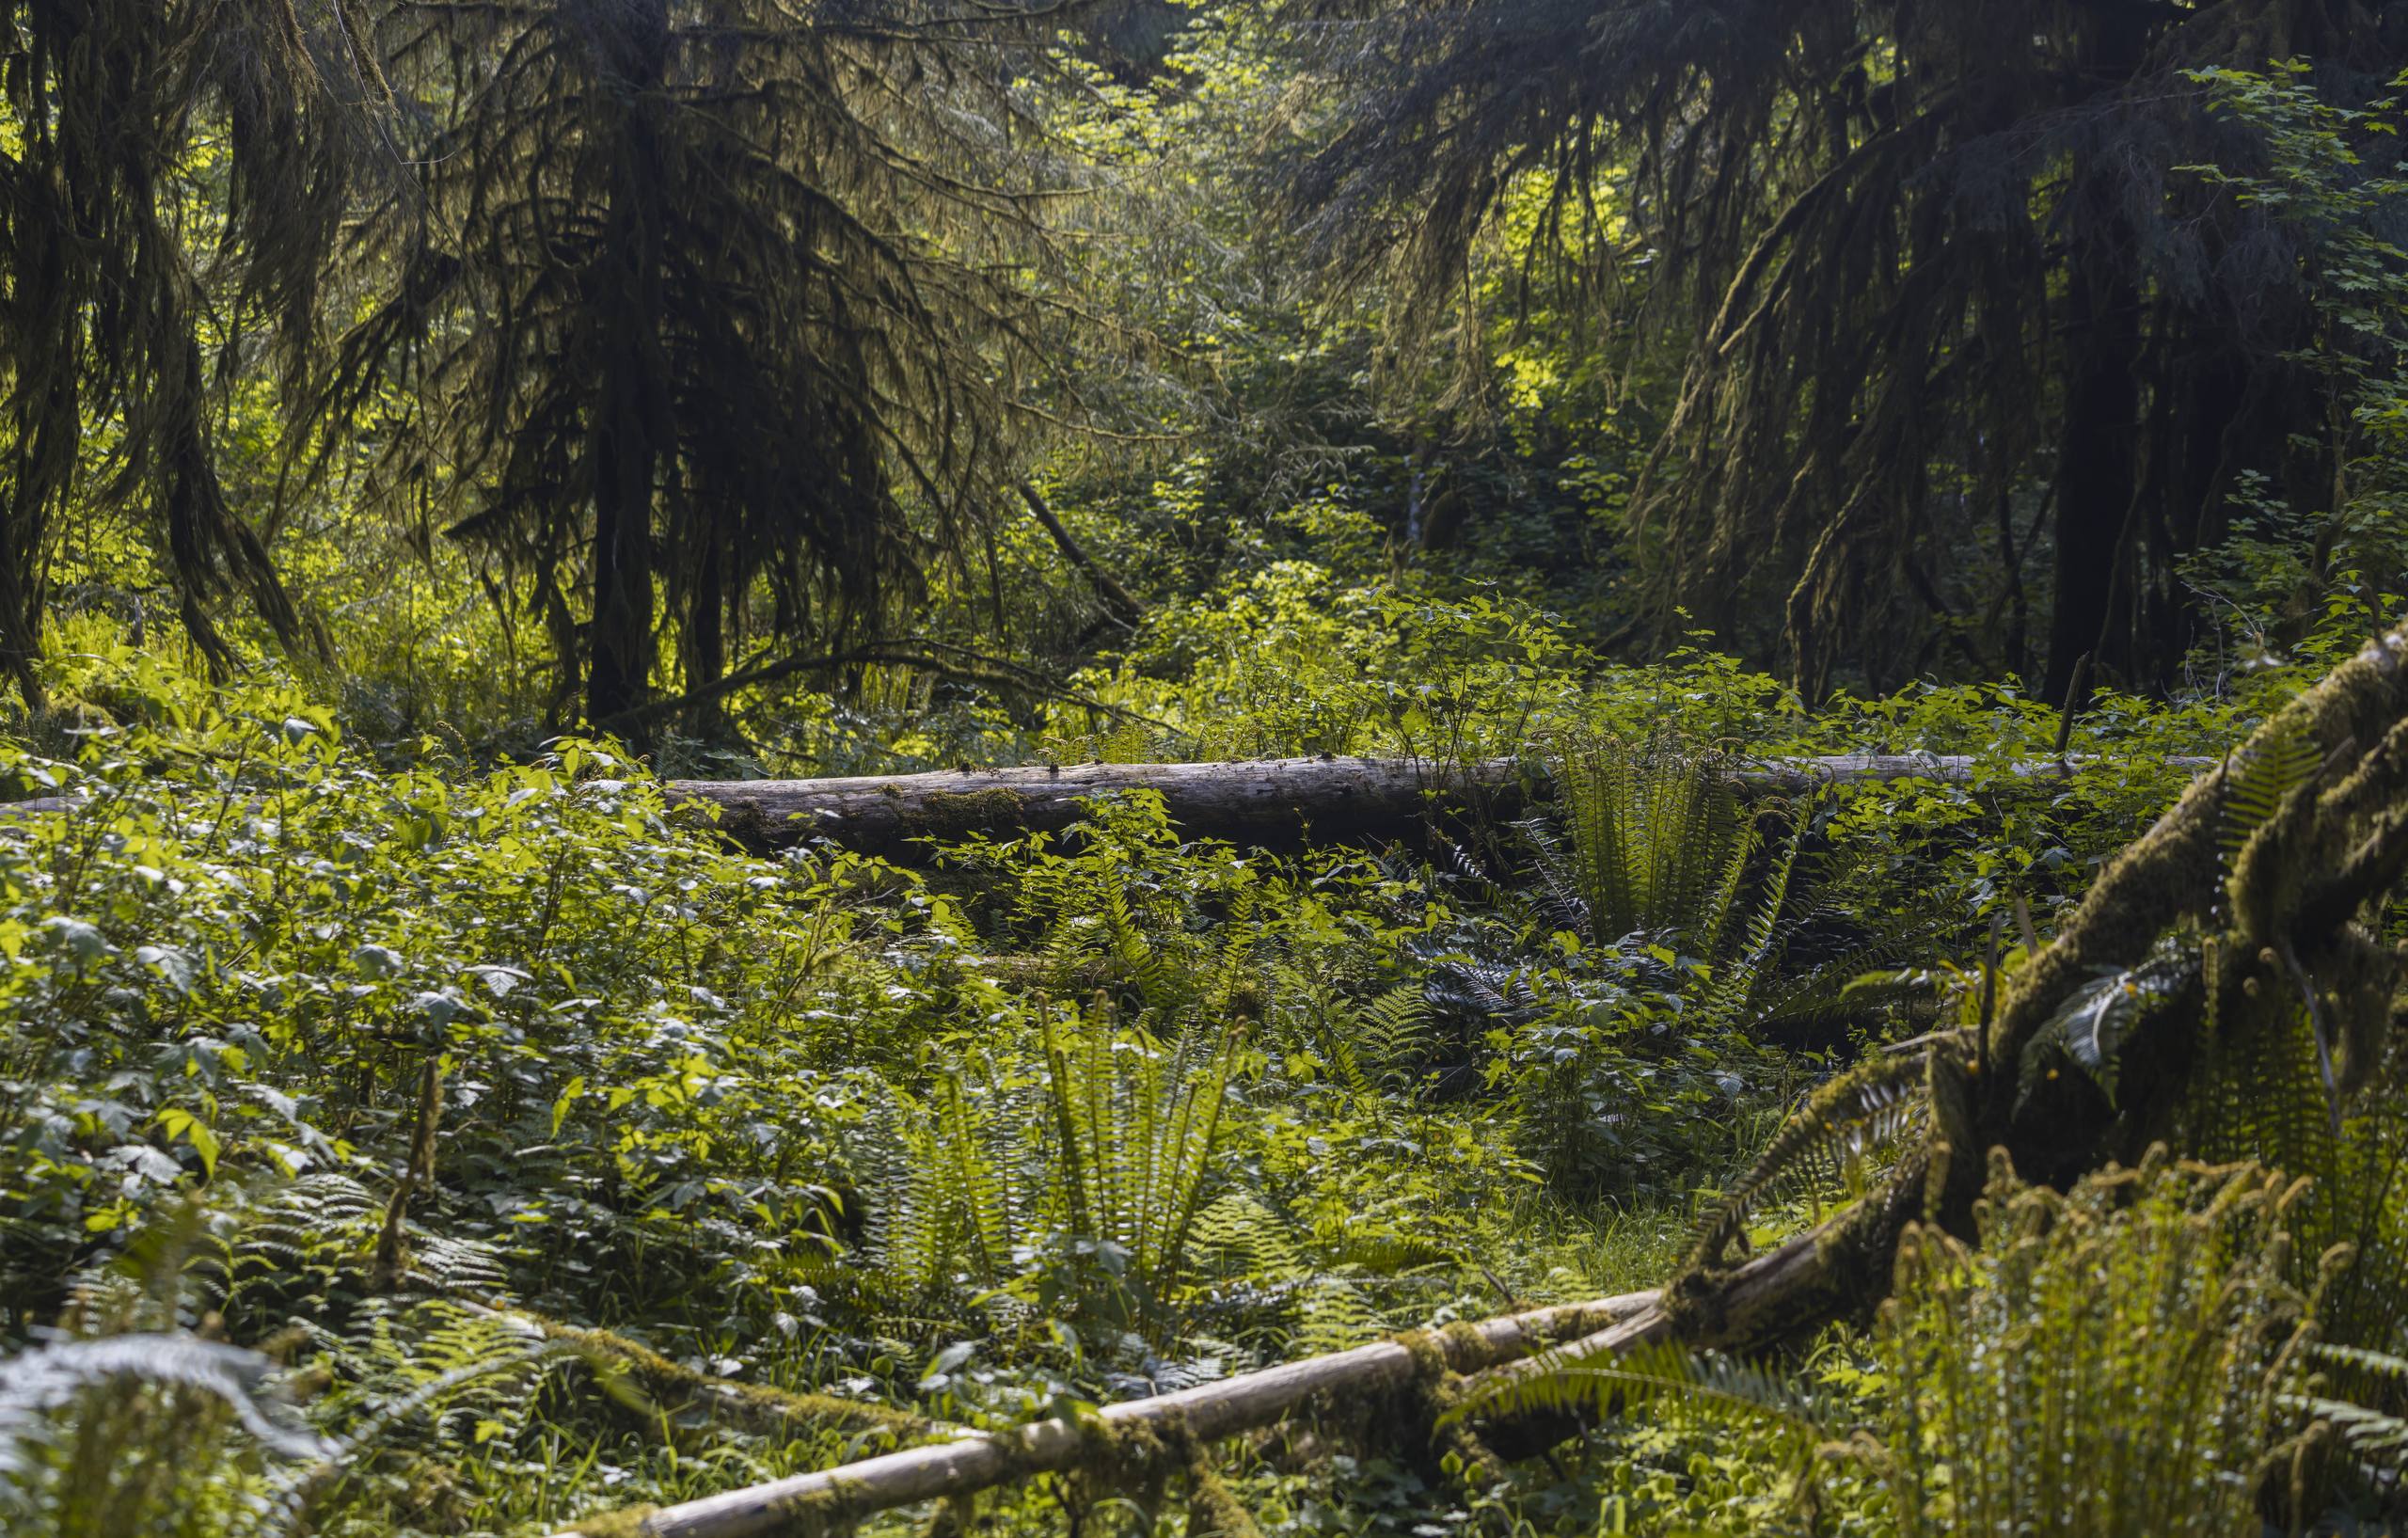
(538, 1155)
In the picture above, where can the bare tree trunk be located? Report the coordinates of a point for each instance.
(627, 447)
(2097, 457)
(21, 613)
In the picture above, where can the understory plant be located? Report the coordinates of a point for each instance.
(2116, 1360)
(2102, 1364)
(705, 1167)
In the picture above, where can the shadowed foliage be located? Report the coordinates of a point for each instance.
(1942, 299)
(114, 108)
(733, 305)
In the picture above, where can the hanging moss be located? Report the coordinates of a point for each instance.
(1467, 1347)
(1131, 1458)
(1214, 1509)
(1953, 1181)
(1426, 1421)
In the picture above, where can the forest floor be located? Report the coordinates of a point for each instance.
(584, 1162)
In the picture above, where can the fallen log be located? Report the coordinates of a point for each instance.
(1273, 801)
(832, 1499)
(1267, 802)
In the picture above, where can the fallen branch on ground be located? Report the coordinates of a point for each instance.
(1272, 800)
(827, 1501)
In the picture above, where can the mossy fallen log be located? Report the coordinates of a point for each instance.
(1120, 1436)
(1266, 801)
(830, 1501)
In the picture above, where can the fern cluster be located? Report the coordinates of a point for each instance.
(1664, 895)
(2125, 1359)
(1099, 1161)
(2106, 1363)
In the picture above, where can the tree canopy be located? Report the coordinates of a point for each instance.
(691, 301)
(1936, 282)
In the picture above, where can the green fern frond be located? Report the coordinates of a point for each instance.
(1698, 1392)
(2260, 776)
(1876, 1103)
(2090, 1028)
(1569, 903)
(2380, 1366)
(1237, 1235)
(1659, 843)
(1391, 1254)
(1366, 1045)
(1138, 1129)
(1396, 1031)
(1297, 1299)
(2263, 1094)
(1324, 1023)
(1734, 980)
(1860, 982)
(2378, 1436)
(2105, 1361)
(467, 1367)
(954, 1186)
(36, 1384)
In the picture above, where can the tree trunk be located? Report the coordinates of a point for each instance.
(20, 607)
(2097, 457)
(628, 440)
(706, 649)
(2094, 467)
(1273, 801)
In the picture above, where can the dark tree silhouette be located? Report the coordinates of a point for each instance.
(1934, 268)
(100, 305)
(713, 319)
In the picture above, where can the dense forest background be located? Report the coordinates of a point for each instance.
(676, 374)
(435, 434)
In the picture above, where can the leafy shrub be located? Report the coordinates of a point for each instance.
(518, 1064)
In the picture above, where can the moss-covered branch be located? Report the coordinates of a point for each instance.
(1123, 1433)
